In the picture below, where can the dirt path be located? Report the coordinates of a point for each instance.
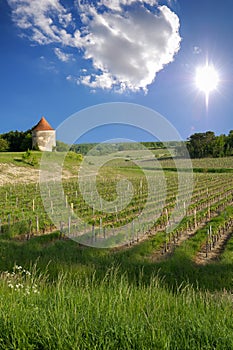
(215, 253)
(13, 174)
(160, 255)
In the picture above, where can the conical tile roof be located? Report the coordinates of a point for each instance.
(43, 125)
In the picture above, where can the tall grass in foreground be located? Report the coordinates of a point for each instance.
(85, 313)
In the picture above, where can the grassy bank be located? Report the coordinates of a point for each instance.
(76, 312)
(74, 297)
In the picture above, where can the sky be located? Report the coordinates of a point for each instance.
(59, 57)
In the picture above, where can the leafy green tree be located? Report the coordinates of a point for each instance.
(201, 144)
(219, 146)
(229, 144)
(29, 158)
(26, 142)
(4, 145)
(18, 141)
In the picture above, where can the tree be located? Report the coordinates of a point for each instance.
(18, 141)
(229, 144)
(201, 144)
(219, 146)
(26, 142)
(4, 145)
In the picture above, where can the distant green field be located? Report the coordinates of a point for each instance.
(16, 157)
(162, 155)
(206, 163)
(71, 163)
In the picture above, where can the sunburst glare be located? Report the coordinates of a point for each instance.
(207, 80)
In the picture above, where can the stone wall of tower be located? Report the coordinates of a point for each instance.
(45, 140)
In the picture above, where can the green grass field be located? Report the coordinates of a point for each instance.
(15, 158)
(58, 294)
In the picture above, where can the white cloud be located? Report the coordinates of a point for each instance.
(69, 78)
(127, 42)
(130, 47)
(44, 18)
(117, 4)
(104, 81)
(64, 57)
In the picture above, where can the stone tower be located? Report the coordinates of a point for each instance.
(43, 136)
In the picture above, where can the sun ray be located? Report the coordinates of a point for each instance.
(207, 100)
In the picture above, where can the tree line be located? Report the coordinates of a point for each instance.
(207, 144)
(16, 141)
(199, 145)
(106, 148)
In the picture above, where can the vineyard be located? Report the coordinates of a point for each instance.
(22, 212)
(162, 284)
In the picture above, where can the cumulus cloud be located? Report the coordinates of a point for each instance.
(126, 41)
(129, 48)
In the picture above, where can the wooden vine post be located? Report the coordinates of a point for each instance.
(69, 225)
(72, 208)
(9, 222)
(206, 254)
(61, 229)
(195, 218)
(37, 224)
(209, 214)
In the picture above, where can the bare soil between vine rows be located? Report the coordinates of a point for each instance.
(160, 255)
(214, 254)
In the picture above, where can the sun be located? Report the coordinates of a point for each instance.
(207, 79)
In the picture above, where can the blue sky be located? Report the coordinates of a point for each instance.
(58, 57)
